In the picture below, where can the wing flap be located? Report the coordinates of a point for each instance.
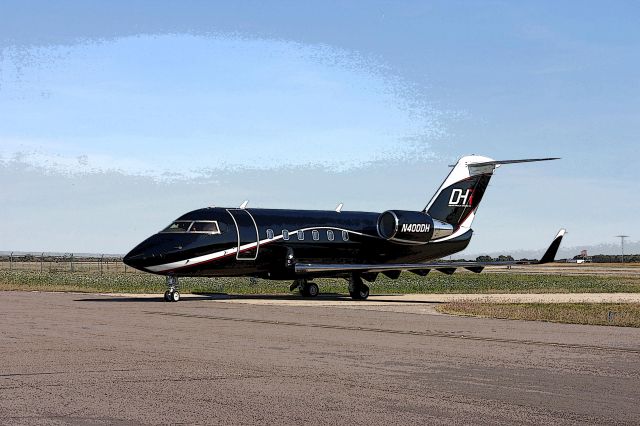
(392, 269)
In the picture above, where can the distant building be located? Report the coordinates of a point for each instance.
(583, 257)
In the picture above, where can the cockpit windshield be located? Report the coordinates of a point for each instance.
(178, 226)
(197, 226)
(210, 227)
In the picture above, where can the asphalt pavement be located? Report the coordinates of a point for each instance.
(92, 359)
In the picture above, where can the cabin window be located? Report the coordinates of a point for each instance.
(285, 235)
(330, 235)
(178, 226)
(316, 235)
(301, 235)
(345, 236)
(270, 234)
(205, 227)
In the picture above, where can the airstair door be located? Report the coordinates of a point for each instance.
(247, 229)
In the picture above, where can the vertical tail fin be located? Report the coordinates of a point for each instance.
(459, 196)
(457, 199)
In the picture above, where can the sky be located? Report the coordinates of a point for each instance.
(116, 117)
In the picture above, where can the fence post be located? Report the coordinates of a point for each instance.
(41, 262)
(71, 258)
(101, 260)
(11, 261)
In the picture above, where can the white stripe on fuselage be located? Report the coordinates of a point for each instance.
(224, 253)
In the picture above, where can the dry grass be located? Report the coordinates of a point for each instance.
(618, 314)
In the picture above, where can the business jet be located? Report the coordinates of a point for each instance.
(301, 245)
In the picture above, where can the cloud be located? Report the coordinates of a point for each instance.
(184, 106)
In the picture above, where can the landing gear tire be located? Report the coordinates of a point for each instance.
(364, 292)
(312, 290)
(360, 293)
(172, 294)
(357, 288)
(309, 290)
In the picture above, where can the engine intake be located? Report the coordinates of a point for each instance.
(410, 227)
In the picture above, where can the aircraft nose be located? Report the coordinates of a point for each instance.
(134, 258)
(146, 253)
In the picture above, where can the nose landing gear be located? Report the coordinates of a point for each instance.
(172, 294)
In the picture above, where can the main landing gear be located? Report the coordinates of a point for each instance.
(172, 294)
(357, 288)
(306, 288)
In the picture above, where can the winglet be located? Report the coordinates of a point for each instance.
(550, 254)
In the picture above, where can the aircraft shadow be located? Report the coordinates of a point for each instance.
(137, 299)
(195, 297)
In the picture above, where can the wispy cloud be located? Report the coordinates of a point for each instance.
(184, 106)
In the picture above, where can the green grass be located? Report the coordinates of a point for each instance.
(618, 314)
(407, 283)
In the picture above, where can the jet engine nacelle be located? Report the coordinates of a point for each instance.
(410, 227)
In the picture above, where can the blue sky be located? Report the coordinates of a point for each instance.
(117, 117)
(124, 104)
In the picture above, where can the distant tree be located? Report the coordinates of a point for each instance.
(503, 258)
(484, 259)
(615, 258)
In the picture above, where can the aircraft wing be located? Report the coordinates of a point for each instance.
(423, 268)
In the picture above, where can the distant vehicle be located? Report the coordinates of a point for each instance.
(301, 245)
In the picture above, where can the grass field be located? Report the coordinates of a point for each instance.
(618, 314)
(407, 283)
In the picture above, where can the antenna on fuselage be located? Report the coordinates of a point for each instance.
(244, 204)
(339, 208)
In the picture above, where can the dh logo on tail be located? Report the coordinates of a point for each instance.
(460, 198)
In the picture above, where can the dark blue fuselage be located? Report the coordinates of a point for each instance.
(267, 242)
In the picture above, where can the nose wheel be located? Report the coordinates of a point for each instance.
(172, 294)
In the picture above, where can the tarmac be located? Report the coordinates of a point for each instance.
(134, 359)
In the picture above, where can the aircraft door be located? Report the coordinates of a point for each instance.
(247, 229)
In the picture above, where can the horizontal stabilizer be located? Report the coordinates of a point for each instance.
(500, 162)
